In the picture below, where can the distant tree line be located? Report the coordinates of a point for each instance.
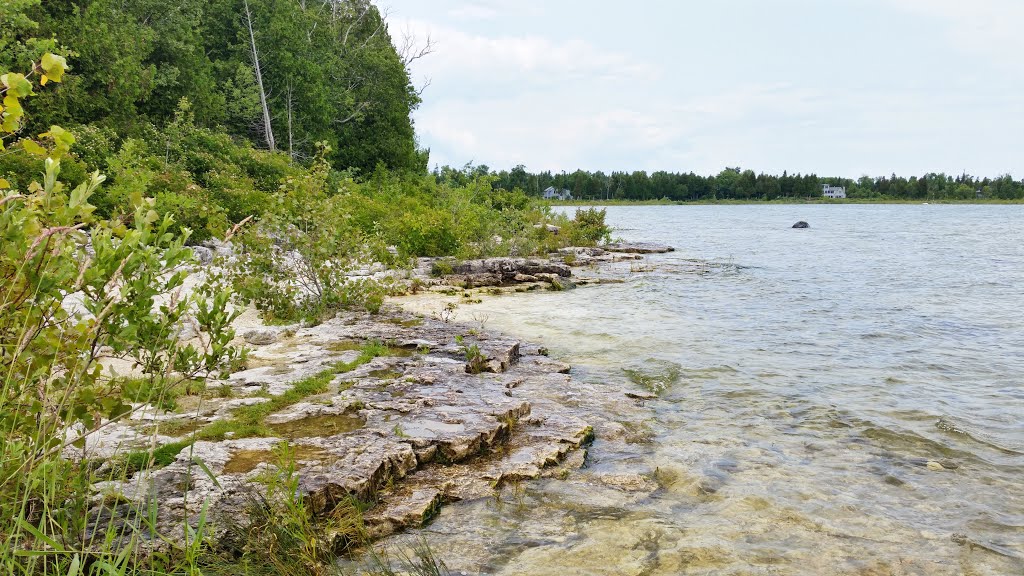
(746, 185)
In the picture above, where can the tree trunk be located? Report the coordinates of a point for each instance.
(267, 127)
(291, 150)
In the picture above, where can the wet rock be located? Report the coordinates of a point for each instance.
(801, 224)
(642, 395)
(412, 508)
(628, 482)
(935, 466)
(557, 282)
(638, 248)
(365, 462)
(264, 337)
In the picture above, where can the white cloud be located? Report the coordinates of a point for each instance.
(521, 59)
(558, 101)
(474, 12)
(990, 28)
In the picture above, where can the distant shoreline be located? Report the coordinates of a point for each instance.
(779, 201)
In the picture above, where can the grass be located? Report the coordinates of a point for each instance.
(157, 391)
(250, 421)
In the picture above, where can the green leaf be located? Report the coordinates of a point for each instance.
(16, 84)
(206, 469)
(33, 148)
(54, 66)
(75, 568)
(39, 535)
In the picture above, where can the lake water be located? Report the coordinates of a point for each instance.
(845, 399)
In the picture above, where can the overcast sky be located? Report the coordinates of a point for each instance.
(834, 87)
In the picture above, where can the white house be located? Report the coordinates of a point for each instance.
(830, 191)
(550, 193)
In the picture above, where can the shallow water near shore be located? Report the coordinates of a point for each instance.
(845, 399)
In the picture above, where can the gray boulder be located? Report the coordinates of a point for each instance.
(203, 255)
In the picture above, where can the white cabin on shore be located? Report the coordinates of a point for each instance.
(551, 193)
(830, 191)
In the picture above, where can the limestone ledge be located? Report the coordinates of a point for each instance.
(409, 431)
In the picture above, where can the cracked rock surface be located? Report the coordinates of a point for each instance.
(408, 431)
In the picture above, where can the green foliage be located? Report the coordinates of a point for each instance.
(157, 392)
(588, 228)
(441, 267)
(76, 290)
(297, 260)
(476, 361)
(133, 462)
(331, 73)
(737, 185)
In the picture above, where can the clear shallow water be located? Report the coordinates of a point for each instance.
(812, 380)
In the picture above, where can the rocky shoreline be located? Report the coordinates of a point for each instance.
(449, 412)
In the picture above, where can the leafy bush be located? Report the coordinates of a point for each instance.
(76, 290)
(296, 262)
(588, 227)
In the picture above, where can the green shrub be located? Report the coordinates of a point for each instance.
(53, 394)
(296, 262)
(588, 227)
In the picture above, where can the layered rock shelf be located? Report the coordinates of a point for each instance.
(409, 431)
(440, 412)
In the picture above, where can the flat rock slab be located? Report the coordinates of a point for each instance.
(638, 248)
(419, 429)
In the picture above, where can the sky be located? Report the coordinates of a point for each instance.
(832, 87)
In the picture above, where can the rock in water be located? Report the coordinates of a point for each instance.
(801, 224)
(638, 248)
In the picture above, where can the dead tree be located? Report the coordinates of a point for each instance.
(268, 129)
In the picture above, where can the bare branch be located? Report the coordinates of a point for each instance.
(410, 52)
(359, 18)
(423, 88)
(382, 25)
(359, 110)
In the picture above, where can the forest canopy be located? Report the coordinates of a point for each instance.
(282, 74)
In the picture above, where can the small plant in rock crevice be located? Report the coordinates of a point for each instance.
(476, 360)
(283, 534)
